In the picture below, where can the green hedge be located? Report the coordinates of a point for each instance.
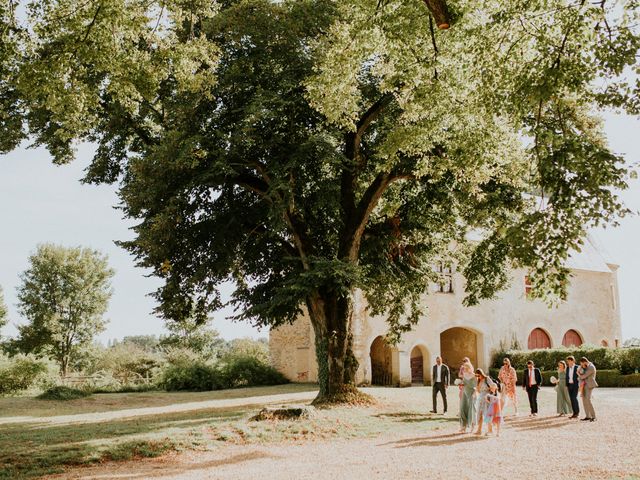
(605, 378)
(626, 360)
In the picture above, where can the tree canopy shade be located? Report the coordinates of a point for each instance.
(306, 149)
(63, 295)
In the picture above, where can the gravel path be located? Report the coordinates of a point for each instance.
(546, 447)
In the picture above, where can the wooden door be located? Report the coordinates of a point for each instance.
(417, 370)
(538, 338)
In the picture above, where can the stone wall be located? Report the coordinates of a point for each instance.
(592, 309)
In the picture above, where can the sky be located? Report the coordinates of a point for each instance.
(41, 202)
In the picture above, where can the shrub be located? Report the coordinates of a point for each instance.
(63, 393)
(20, 373)
(184, 372)
(631, 380)
(247, 347)
(128, 362)
(199, 376)
(250, 371)
(627, 360)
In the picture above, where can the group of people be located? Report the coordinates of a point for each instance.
(483, 399)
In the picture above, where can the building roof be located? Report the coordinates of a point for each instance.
(591, 257)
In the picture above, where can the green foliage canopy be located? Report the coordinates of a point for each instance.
(310, 148)
(63, 295)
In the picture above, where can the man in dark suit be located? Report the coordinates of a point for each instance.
(439, 382)
(531, 382)
(573, 385)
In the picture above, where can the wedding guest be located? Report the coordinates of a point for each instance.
(588, 376)
(482, 390)
(563, 401)
(465, 360)
(493, 411)
(508, 377)
(573, 385)
(532, 381)
(467, 401)
(440, 377)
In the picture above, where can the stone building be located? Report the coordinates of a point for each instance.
(590, 315)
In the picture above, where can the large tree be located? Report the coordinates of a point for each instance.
(63, 295)
(309, 149)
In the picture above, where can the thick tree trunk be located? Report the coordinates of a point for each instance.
(331, 317)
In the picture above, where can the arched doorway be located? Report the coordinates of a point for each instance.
(572, 339)
(457, 343)
(538, 338)
(419, 365)
(381, 362)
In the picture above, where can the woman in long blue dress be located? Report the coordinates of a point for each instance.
(467, 401)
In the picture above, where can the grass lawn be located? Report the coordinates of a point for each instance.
(41, 437)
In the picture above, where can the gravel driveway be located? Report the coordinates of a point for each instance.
(546, 447)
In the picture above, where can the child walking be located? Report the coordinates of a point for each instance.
(493, 411)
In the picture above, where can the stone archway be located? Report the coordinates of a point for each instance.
(420, 366)
(457, 343)
(381, 355)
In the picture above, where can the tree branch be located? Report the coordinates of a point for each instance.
(350, 244)
(440, 13)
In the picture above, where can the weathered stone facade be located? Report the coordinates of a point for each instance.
(589, 315)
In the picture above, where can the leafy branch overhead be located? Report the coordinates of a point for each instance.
(307, 150)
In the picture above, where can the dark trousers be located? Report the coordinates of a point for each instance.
(573, 395)
(439, 387)
(532, 392)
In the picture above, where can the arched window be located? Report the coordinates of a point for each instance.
(572, 339)
(538, 338)
(604, 343)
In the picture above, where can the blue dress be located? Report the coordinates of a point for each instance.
(484, 390)
(468, 403)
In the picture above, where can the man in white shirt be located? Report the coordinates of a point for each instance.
(439, 382)
(532, 381)
(573, 385)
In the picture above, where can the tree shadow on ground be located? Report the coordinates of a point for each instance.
(437, 440)
(150, 469)
(27, 450)
(415, 417)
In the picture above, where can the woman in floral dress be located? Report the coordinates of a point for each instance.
(508, 379)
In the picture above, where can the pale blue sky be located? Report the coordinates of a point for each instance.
(40, 202)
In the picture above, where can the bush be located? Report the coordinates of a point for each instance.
(194, 377)
(128, 362)
(63, 393)
(250, 371)
(247, 347)
(627, 360)
(605, 378)
(631, 380)
(183, 372)
(20, 373)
